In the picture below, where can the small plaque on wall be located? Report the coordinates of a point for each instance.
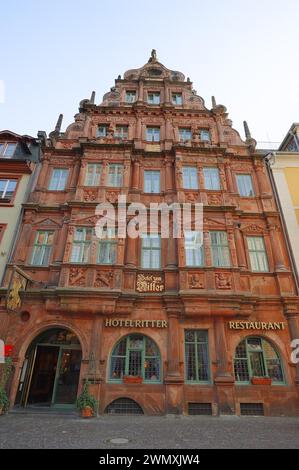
(150, 283)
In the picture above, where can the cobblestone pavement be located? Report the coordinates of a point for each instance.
(43, 430)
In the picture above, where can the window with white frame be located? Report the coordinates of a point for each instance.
(7, 189)
(257, 254)
(152, 181)
(102, 130)
(196, 356)
(185, 134)
(58, 179)
(204, 135)
(121, 132)
(153, 97)
(245, 186)
(130, 96)
(107, 248)
(81, 244)
(115, 176)
(177, 99)
(220, 249)
(93, 174)
(211, 178)
(7, 149)
(42, 248)
(190, 178)
(193, 248)
(153, 134)
(151, 251)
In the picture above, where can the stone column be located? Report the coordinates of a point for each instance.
(43, 174)
(173, 347)
(75, 175)
(232, 248)
(136, 175)
(262, 178)
(59, 253)
(169, 176)
(131, 255)
(240, 248)
(140, 92)
(278, 256)
(207, 248)
(224, 379)
(229, 178)
(172, 259)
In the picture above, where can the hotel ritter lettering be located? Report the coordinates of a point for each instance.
(158, 325)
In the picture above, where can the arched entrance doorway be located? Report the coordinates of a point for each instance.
(51, 370)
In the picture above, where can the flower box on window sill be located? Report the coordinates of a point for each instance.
(261, 381)
(131, 379)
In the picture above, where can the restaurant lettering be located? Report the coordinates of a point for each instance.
(256, 325)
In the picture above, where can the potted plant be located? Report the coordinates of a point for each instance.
(132, 379)
(86, 402)
(5, 373)
(261, 380)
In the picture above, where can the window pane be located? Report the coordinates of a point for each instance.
(257, 254)
(245, 186)
(9, 150)
(152, 181)
(107, 252)
(101, 131)
(185, 134)
(190, 180)
(115, 175)
(177, 98)
(220, 249)
(205, 135)
(153, 98)
(58, 180)
(93, 174)
(211, 177)
(196, 355)
(153, 134)
(130, 96)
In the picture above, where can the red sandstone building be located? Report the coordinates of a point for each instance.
(214, 336)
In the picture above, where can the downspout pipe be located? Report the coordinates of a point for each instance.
(268, 158)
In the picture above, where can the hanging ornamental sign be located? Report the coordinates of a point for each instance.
(150, 283)
(18, 283)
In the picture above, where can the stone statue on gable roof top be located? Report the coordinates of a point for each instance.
(153, 57)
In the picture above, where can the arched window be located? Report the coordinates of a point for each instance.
(255, 357)
(136, 356)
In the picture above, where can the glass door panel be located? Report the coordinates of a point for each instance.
(67, 377)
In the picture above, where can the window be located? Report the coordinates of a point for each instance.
(42, 248)
(81, 245)
(190, 179)
(130, 96)
(7, 150)
(138, 356)
(122, 132)
(93, 174)
(185, 134)
(255, 357)
(7, 189)
(58, 179)
(151, 181)
(153, 98)
(196, 356)
(102, 130)
(220, 249)
(204, 135)
(115, 175)
(257, 254)
(151, 252)
(245, 187)
(193, 248)
(153, 134)
(107, 247)
(177, 99)
(211, 177)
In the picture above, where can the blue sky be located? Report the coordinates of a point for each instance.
(54, 53)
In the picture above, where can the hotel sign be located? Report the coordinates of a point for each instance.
(109, 322)
(256, 325)
(150, 283)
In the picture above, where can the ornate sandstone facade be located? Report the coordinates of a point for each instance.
(208, 328)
